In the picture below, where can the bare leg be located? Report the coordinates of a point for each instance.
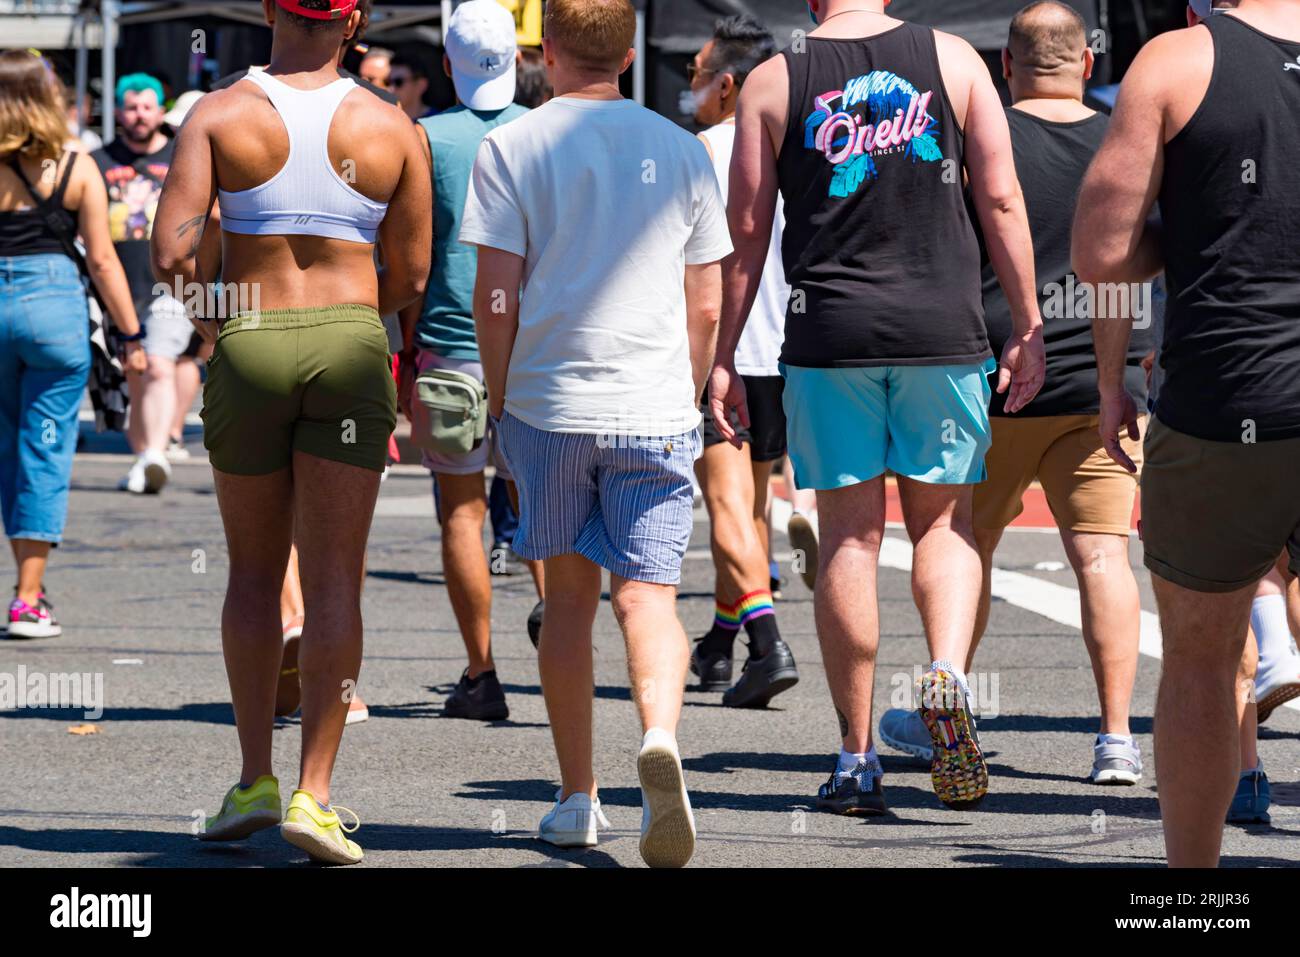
(464, 562)
(535, 568)
(153, 405)
(291, 607)
(187, 388)
(986, 543)
(656, 649)
(333, 505)
(255, 510)
(564, 660)
(844, 602)
(739, 557)
(1247, 715)
(762, 476)
(1112, 616)
(946, 573)
(31, 557)
(1196, 730)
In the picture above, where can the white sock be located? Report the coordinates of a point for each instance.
(1268, 620)
(849, 760)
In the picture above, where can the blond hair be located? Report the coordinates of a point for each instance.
(32, 120)
(594, 35)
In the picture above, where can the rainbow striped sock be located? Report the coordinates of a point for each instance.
(754, 605)
(726, 617)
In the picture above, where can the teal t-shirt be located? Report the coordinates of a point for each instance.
(446, 325)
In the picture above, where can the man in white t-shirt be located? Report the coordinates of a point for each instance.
(734, 478)
(610, 219)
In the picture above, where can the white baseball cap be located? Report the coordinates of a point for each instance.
(480, 43)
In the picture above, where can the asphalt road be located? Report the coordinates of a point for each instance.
(433, 791)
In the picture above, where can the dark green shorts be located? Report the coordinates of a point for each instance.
(1216, 515)
(314, 380)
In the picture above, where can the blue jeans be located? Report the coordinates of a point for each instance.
(44, 363)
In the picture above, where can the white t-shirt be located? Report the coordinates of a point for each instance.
(758, 352)
(607, 202)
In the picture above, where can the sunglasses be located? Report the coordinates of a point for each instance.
(693, 71)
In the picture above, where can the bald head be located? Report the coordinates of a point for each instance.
(1047, 50)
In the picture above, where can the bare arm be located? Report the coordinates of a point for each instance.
(187, 199)
(496, 317)
(101, 258)
(1000, 206)
(751, 209)
(406, 232)
(703, 304)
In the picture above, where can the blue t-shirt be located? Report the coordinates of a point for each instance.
(446, 325)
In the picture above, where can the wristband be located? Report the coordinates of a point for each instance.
(136, 337)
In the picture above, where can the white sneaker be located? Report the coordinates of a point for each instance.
(1276, 683)
(157, 470)
(667, 825)
(176, 451)
(573, 822)
(133, 481)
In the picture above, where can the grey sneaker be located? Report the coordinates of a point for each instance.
(904, 730)
(1115, 760)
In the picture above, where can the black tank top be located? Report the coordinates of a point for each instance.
(880, 254)
(24, 232)
(1228, 201)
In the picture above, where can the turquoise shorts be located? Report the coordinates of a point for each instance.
(848, 425)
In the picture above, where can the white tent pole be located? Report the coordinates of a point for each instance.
(83, 66)
(108, 11)
(638, 64)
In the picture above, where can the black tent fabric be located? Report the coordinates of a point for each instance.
(681, 26)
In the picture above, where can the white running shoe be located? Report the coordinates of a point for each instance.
(903, 729)
(1115, 760)
(176, 451)
(573, 822)
(133, 481)
(157, 471)
(667, 824)
(1276, 683)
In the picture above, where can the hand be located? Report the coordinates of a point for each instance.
(1022, 368)
(1149, 363)
(206, 328)
(134, 360)
(496, 407)
(1115, 413)
(405, 383)
(727, 392)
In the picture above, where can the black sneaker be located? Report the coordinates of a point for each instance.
(479, 699)
(774, 586)
(762, 679)
(713, 668)
(502, 559)
(843, 793)
(535, 623)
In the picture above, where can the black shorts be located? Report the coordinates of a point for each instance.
(766, 432)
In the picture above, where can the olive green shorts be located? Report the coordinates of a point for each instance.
(313, 380)
(1216, 515)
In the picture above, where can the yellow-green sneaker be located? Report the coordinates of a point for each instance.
(245, 811)
(320, 832)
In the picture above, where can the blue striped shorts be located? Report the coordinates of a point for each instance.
(624, 502)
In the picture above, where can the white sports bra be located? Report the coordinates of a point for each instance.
(307, 197)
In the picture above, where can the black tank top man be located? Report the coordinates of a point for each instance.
(1230, 202)
(878, 247)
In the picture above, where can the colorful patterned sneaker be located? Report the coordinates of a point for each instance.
(27, 621)
(667, 824)
(319, 831)
(1250, 803)
(1115, 760)
(903, 730)
(245, 811)
(859, 792)
(957, 769)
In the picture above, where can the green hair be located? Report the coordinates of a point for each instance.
(137, 83)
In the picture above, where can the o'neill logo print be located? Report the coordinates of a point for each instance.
(893, 120)
(1287, 65)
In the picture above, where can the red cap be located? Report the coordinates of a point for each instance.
(338, 9)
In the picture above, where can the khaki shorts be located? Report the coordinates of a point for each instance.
(1086, 490)
(312, 380)
(1216, 515)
